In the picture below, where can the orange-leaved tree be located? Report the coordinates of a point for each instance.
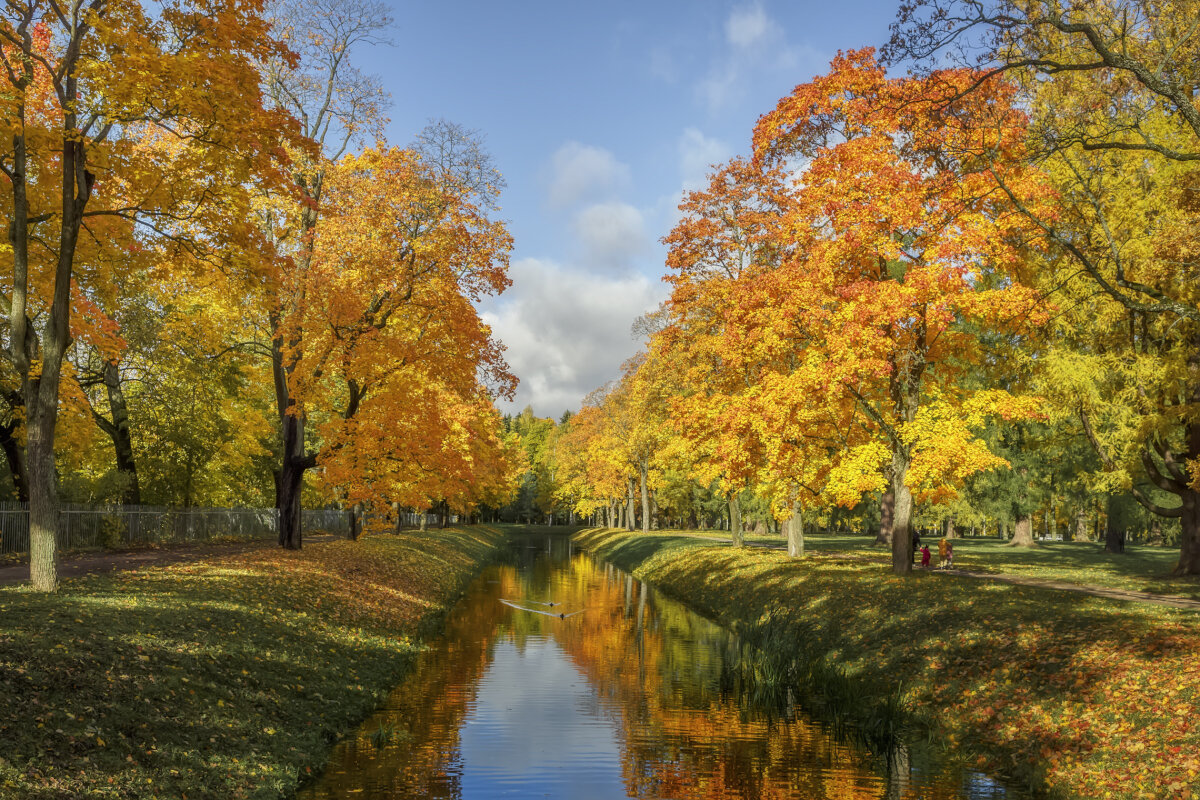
(395, 366)
(83, 81)
(900, 252)
(727, 236)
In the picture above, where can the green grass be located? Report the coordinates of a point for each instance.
(1072, 694)
(225, 678)
(1141, 568)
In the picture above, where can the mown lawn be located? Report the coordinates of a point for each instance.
(1083, 696)
(1141, 568)
(226, 678)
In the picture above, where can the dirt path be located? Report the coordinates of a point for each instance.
(74, 566)
(1172, 600)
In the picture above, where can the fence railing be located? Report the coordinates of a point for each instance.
(115, 527)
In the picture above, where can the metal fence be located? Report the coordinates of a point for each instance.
(116, 527)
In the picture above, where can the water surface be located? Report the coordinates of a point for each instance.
(627, 694)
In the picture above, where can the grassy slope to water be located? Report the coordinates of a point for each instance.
(1078, 695)
(224, 678)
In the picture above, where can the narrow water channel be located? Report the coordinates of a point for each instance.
(621, 696)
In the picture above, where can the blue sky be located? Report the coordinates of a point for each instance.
(600, 115)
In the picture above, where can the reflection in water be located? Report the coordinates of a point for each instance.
(622, 700)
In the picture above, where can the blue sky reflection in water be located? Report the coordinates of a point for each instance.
(634, 697)
(534, 713)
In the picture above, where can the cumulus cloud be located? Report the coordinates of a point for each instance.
(747, 26)
(567, 330)
(580, 172)
(611, 235)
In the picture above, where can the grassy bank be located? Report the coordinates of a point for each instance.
(1141, 568)
(224, 678)
(1077, 695)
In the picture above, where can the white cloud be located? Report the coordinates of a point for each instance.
(580, 172)
(756, 49)
(612, 235)
(697, 154)
(747, 25)
(567, 330)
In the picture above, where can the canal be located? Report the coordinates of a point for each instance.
(558, 676)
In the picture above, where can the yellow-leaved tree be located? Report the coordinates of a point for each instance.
(83, 80)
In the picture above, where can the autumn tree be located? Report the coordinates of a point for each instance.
(393, 364)
(727, 234)
(84, 78)
(1110, 86)
(336, 106)
(900, 236)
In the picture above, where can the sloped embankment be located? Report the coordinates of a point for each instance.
(222, 678)
(1077, 695)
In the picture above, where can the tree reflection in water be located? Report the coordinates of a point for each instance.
(655, 720)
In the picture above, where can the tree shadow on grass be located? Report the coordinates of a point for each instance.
(223, 680)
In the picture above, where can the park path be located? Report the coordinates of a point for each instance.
(1171, 600)
(74, 566)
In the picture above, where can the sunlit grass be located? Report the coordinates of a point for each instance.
(1142, 568)
(1085, 696)
(222, 678)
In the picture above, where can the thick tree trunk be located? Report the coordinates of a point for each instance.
(288, 482)
(1023, 531)
(655, 520)
(902, 544)
(642, 475)
(423, 521)
(355, 515)
(735, 520)
(43, 504)
(41, 390)
(1189, 546)
(887, 511)
(950, 532)
(795, 531)
(1081, 526)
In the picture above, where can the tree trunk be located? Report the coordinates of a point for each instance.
(1023, 531)
(655, 521)
(1081, 526)
(421, 524)
(1189, 544)
(1114, 533)
(642, 475)
(355, 514)
(288, 482)
(950, 532)
(735, 520)
(630, 513)
(902, 544)
(795, 530)
(14, 454)
(118, 430)
(887, 510)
